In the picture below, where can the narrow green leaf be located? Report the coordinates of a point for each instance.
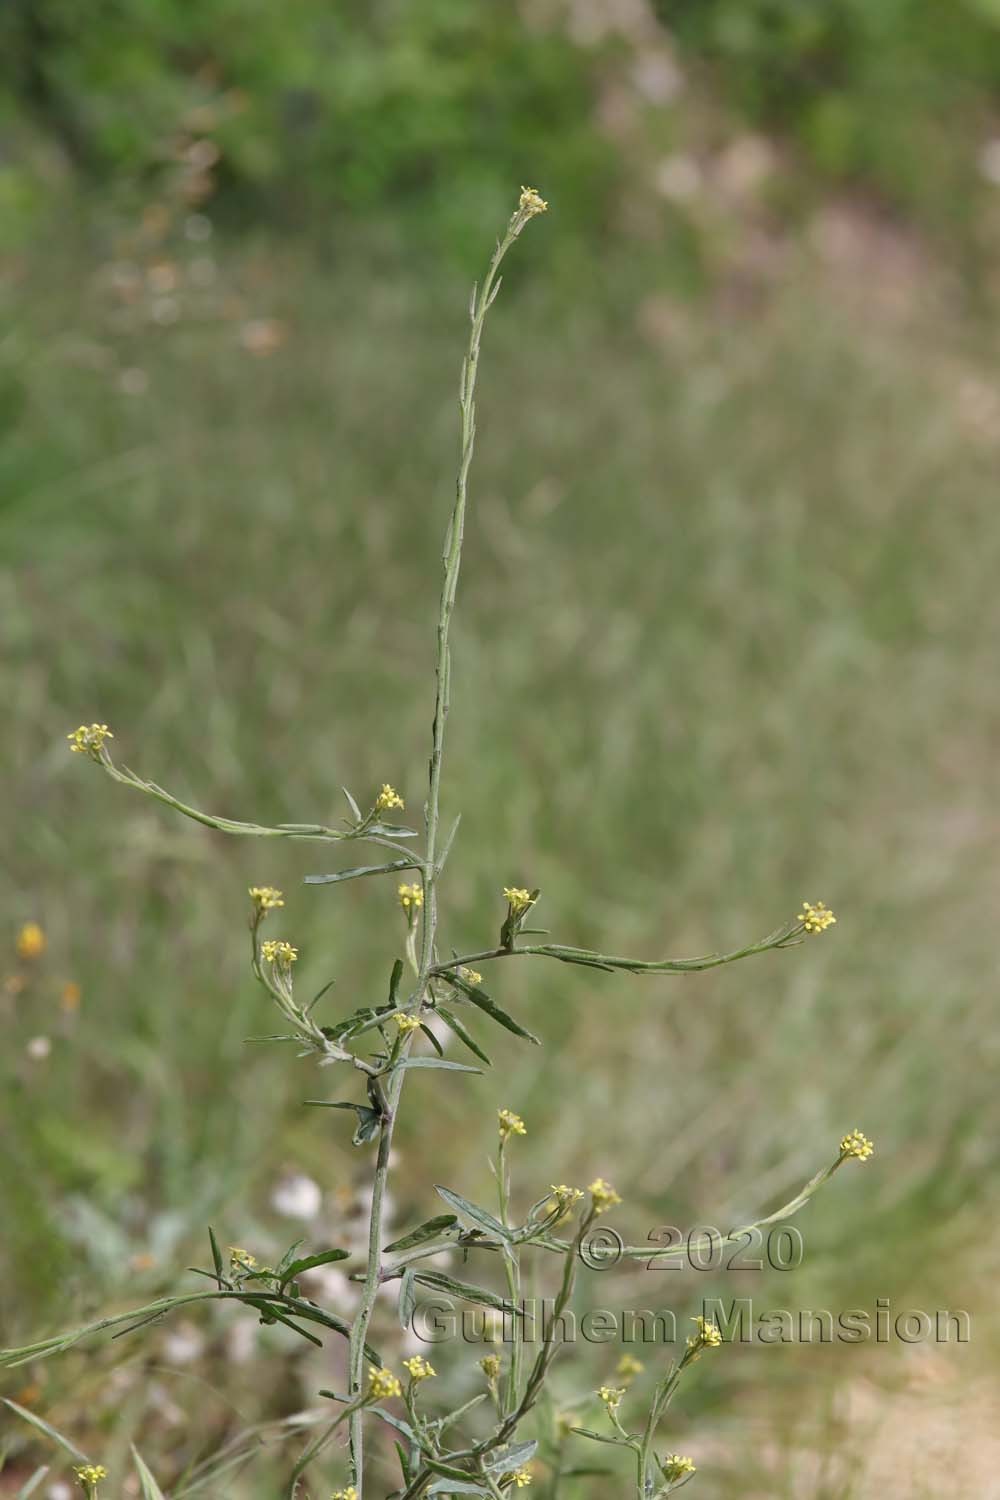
(43, 1426)
(598, 1437)
(308, 1262)
(482, 1001)
(515, 1456)
(355, 809)
(463, 1034)
(456, 1487)
(150, 1489)
(434, 1062)
(359, 871)
(30, 1486)
(472, 1211)
(217, 1260)
(428, 1230)
(394, 980)
(438, 1282)
(407, 1299)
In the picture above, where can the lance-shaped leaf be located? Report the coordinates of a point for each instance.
(433, 1062)
(430, 1229)
(489, 1007)
(309, 1262)
(438, 1282)
(463, 1034)
(49, 1431)
(359, 871)
(150, 1489)
(473, 1212)
(513, 1457)
(407, 1299)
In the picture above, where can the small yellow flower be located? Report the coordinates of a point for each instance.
(490, 1366)
(602, 1195)
(517, 899)
(709, 1335)
(70, 997)
(521, 1478)
(90, 1474)
(265, 898)
(382, 1384)
(676, 1465)
(241, 1260)
(510, 1124)
(471, 976)
(531, 202)
(816, 917)
(410, 897)
(407, 1023)
(565, 1422)
(628, 1367)
(857, 1145)
(564, 1199)
(277, 951)
(349, 1494)
(388, 798)
(89, 740)
(418, 1368)
(611, 1395)
(31, 941)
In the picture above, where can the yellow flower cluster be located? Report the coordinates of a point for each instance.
(564, 1199)
(611, 1395)
(816, 917)
(676, 1465)
(517, 899)
(709, 1335)
(418, 1369)
(490, 1366)
(628, 1367)
(471, 976)
(265, 898)
(521, 1478)
(89, 739)
(349, 1494)
(382, 1384)
(857, 1145)
(90, 1474)
(410, 897)
(602, 1195)
(241, 1260)
(531, 202)
(407, 1023)
(510, 1124)
(388, 798)
(31, 941)
(277, 951)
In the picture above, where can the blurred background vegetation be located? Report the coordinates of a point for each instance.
(725, 641)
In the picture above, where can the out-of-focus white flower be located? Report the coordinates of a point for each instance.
(330, 1287)
(39, 1048)
(297, 1196)
(183, 1344)
(989, 161)
(678, 178)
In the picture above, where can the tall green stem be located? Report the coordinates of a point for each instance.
(430, 866)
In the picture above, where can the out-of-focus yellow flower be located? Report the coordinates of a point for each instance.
(70, 997)
(277, 951)
(265, 898)
(531, 202)
(89, 739)
(676, 1465)
(564, 1199)
(815, 917)
(510, 1124)
(709, 1335)
(517, 899)
(407, 1023)
(411, 897)
(31, 941)
(602, 1195)
(490, 1366)
(241, 1260)
(611, 1395)
(857, 1145)
(349, 1494)
(388, 798)
(628, 1367)
(382, 1384)
(471, 976)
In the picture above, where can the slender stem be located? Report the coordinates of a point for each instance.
(512, 1270)
(482, 300)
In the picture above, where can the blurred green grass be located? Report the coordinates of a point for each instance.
(725, 641)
